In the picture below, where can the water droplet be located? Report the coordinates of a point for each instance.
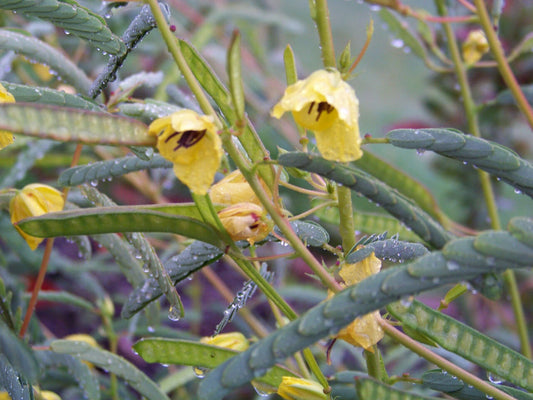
(174, 313)
(94, 183)
(494, 378)
(452, 265)
(518, 191)
(150, 329)
(397, 43)
(200, 371)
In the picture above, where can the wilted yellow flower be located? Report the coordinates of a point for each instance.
(474, 47)
(6, 138)
(234, 189)
(191, 143)
(364, 331)
(32, 201)
(326, 105)
(5, 396)
(292, 388)
(231, 340)
(245, 221)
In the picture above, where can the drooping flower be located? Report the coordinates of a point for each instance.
(6, 138)
(292, 388)
(32, 201)
(474, 47)
(231, 340)
(364, 331)
(190, 141)
(245, 221)
(233, 189)
(325, 104)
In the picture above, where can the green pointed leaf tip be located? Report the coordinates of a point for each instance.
(18, 354)
(196, 354)
(73, 125)
(117, 219)
(470, 344)
(235, 75)
(486, 155)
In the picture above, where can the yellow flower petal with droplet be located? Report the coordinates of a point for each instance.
(292, 388)
(355, 273)
(190, 141)
(32, 201)
(328, 106)
(245, 221)
(6, 138)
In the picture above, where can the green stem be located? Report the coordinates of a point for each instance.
(503, 65)
(175, 51)
(471, 115)
(346, 224)
(446, 365)
(323, 25)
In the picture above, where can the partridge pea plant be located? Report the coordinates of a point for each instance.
(190, 210)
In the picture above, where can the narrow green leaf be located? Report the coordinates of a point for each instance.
(249, 138)
(112, 363)
(72, 17)
(235, 76)
(368, 388)
(289, 62)
(465, 341)
(179, 267)
(103, 170)
(402, 33)
(9, 379)
(491, 157)
(446, 383)
(117, 219)
(523, 47)
(31, 94)
(400, 181)
(149, 110)
(73, 125)
(195, 354)
(65, 298)
(35, 49)
(390, 250)
(18, 354)
(77, 369)
(311, 233)
(378, 192)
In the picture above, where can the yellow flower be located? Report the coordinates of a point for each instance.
(6, 138)
(234, 189)
(32, 201)
(5, 396)
(245, 221)
(191, 143)
(326, 105)
(48, 395)
(364, 331)
(82, 337)
(292, 388)
(232, 340)
(474, 47)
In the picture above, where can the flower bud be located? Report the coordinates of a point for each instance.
(32, 201)
(474, 47)
(292, 388)
(245, 221)
(234, 189)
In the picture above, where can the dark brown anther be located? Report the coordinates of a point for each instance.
(323, 106)
(311, 107)
(187, 139)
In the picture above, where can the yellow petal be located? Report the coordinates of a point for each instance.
(363, 332)
(190, 141)
(292, 388)
(231, 340)
(32, 201)
(355, 273)
(6, 138)
(340, 142)
(327, 105)
(245, 221)
(234, 189)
